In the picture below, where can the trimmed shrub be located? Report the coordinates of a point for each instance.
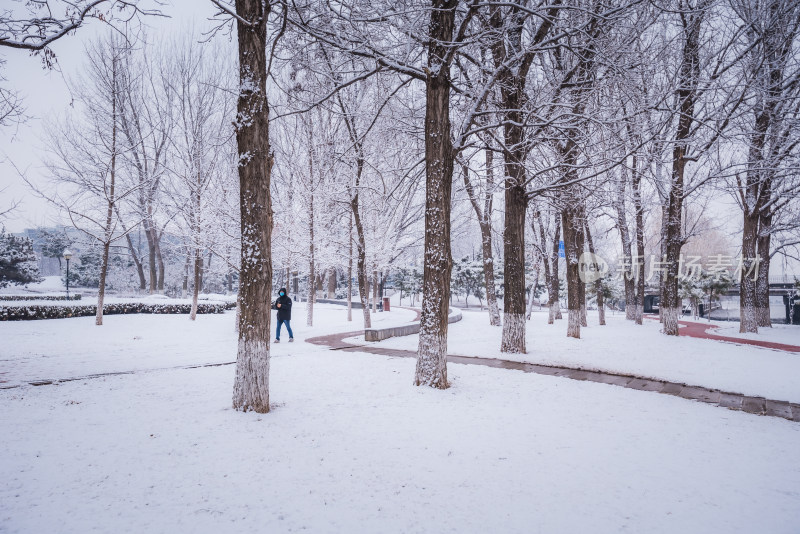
(38, 297)
(27, 313)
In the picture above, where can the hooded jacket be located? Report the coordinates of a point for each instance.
(285, 311)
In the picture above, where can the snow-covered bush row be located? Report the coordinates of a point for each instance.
(25, 312)
(39, 297)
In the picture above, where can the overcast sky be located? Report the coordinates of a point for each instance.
(45, 94)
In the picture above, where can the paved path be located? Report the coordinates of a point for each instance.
(724, 399)
(700, 330)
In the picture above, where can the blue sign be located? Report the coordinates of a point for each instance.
(561, 250)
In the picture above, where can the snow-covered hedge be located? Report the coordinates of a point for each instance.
(39, 297)
(39, 311)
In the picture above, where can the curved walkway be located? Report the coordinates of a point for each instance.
(700, 330)
(724, 399)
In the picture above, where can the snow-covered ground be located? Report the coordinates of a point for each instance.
(49, 284)
(76, 347)
(622, 347)
(779, 333)
(352, 446)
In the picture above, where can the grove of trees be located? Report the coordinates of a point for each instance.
(376, 140)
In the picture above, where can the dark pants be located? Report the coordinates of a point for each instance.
(278, 330)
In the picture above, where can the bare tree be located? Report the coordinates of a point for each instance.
(773, 29)
(36, 25)
(251, 387)
(197, 146)
(86, 153)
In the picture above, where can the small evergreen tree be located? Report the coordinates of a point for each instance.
(53, 243)
(18, 264)
(87, 271)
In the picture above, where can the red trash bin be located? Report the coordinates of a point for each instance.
(386, 305)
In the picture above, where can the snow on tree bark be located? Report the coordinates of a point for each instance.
(251, 386)
(688, 79)
(573, 248)
(639, 273)
(431, 367)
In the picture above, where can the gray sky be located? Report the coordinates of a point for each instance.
(45, 94)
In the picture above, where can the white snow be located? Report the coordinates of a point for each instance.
(779, 333)
(76, 347)
(49, 284)
(622, 347)
(352, 446)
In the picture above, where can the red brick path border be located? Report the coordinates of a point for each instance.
(700, 330)
(723, 399)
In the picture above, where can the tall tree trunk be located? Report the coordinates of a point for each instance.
(251, 386)
(512, 91)
(431, 367)
(101, 290)
(534, 287)
(136, 260)
(638, 269)
(573, 248)
(350, 270)
(361, 265)
(159, 261)
(312, 275)
(747, 286)
(185, 287)
(554, 299)
(484, 215)
(110, 195)
(516, 206)
(198, 269)
(598, 284)
(374, 291)
(625, 236)
(332, 282)
(688, 78)
(544, 257)
(151, 256)
(763, 317)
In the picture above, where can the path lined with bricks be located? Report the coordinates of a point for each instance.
(723, 399)
(700, 330)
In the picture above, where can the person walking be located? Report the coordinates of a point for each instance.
(284, 306)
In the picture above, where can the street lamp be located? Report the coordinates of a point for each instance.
(67, 256)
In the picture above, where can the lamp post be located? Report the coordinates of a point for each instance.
(67, 256)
